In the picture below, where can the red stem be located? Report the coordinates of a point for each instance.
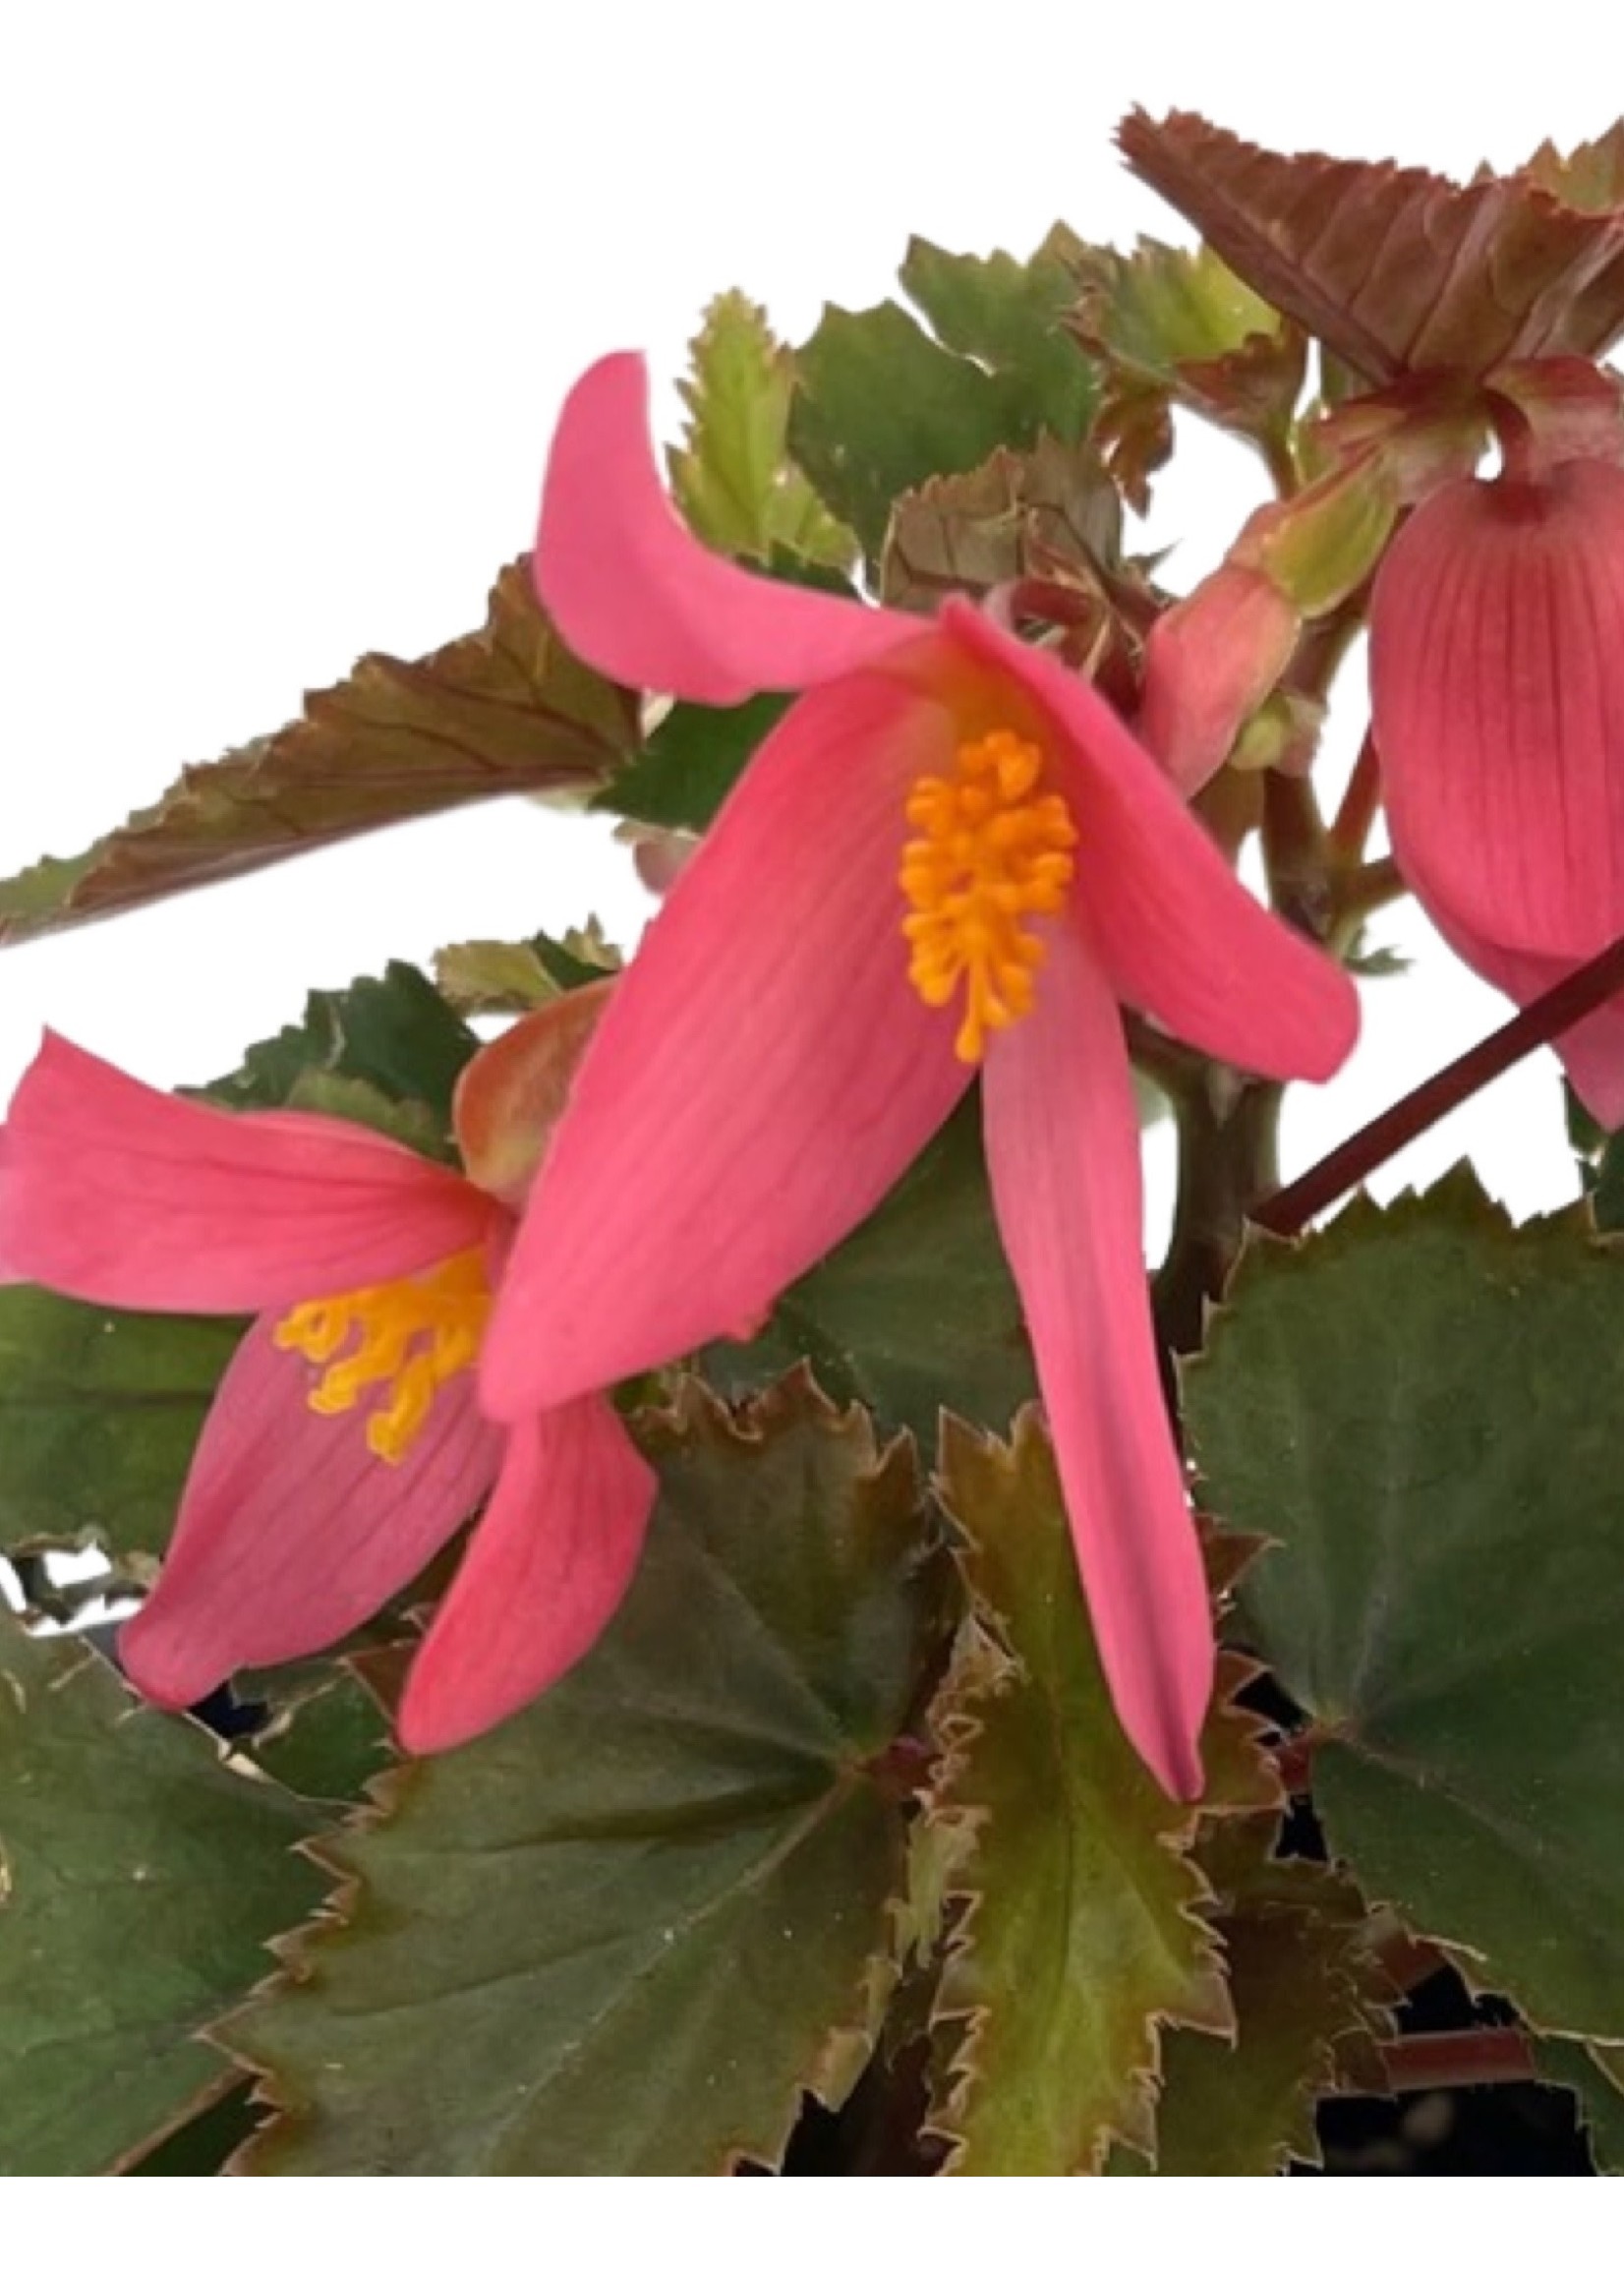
(1358, 810)
(1293, 1207)
(1458, 2057)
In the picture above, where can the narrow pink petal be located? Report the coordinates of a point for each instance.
(291, 1531)
(120, 1194)
(1062, 1148)
(1177, 934)
(1497, 692)
(637, 596)
(763, 1074)
(544, 1573)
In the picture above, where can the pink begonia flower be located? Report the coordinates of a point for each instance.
(1498, 699)
(344, 1445)
(950, 848)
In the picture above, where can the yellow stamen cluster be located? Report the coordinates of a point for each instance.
(991, 852)
(415, 1333)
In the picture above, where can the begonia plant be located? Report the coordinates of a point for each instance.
(673, 1592)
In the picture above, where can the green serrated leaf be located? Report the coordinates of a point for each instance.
(1077, 1933)
(1303, 1992)
(359, 1052)
(100, 1412)
(1417, 1404)
(139, 1881)
(916, 1312)
(881, 406)
(505, 709)
(1007, 314)
(1595, 2075)
(623, 1933)
(733, 477)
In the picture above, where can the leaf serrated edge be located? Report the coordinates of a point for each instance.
(987, 1666)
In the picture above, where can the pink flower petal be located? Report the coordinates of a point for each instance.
(763, 1074)
(291, 1531)
(1062, 1150)
(545, 1570)
(1177, 934)
(120, 1194)
(637, 596)
(1497, 690)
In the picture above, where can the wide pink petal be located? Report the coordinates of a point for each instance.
(547, 1568)
(1498, 693)
(1062, 1148)
(637, 596)
(120, 1194)
(762, 1075)
(1176, 932)
(291, 1531)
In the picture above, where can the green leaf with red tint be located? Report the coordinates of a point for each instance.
(505, 709)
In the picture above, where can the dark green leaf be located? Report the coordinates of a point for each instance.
(385, 1051)
(916, 1312)
(1419, 1405)
(623, 1933)
(505, 709)
(141, 1881)
(100, 1411)
(690, 762)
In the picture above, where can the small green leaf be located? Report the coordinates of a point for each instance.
(690, 762)
(141, 1881)
(1595, 2075)
(625, 1930)
(881, 406)
(1419, 1405)
(1075, 1933)
(914, 1311)
(1306, 2000)
(359, 1052)
(732, 476)
(505, 709)
(1007, 315)
(100, 1411)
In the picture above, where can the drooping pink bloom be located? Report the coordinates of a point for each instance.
(1497, 697)
(950, 848)
(345, 1444)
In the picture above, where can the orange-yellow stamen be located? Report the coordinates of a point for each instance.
(415, 1333)
(992, 851)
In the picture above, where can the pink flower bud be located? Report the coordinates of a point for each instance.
(1210, 660)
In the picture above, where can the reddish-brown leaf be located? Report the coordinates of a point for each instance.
(1396, 268)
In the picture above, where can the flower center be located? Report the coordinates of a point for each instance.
(991, 852)
(415, 1333)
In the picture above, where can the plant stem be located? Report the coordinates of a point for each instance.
(1458, 2057)
(1227, 1131)
(1292, 1209)
(1359, 803)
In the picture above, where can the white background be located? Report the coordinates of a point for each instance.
(292, 294)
